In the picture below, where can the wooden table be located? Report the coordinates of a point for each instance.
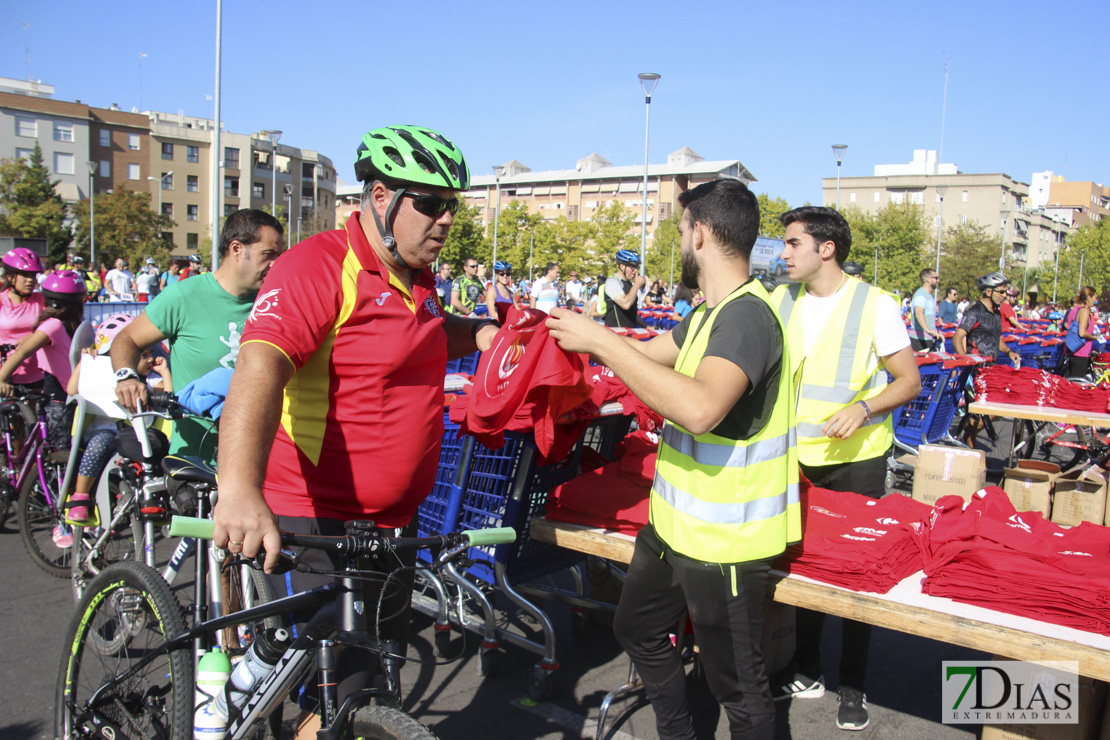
(1031, 414)
(904, 608)
(1040, 413)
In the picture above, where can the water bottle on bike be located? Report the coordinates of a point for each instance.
(269, 645)
(209, 721)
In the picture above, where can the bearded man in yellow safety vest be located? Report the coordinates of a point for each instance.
(724, 501)
(844, 337)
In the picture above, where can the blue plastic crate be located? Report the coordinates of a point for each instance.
(438, 512)
(947, 401)
(915, 417)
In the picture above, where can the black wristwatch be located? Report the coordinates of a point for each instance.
(124, 373)
(477, 327)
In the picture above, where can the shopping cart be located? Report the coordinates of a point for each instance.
(928, 418)
(477, 488)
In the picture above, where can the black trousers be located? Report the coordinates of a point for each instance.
(725, 603)
(866, 477)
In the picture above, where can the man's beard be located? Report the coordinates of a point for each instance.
(690, 271)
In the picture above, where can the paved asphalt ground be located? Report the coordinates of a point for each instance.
(903, 684)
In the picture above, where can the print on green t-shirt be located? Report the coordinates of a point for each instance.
(203, 323)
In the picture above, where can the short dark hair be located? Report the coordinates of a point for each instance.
(244, 226)
(951, 290)
(550, 266)
(729, 210)
(925, 273)
(824, 225)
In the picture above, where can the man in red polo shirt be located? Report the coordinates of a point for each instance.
(335, 412)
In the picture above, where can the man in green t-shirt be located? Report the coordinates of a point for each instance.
(466, 290)
(202, 319)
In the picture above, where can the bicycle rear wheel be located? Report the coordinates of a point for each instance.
(386, 723)
(46, 538)
(126, 613)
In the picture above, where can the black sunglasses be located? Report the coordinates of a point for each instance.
(505, 272)
(432, 206)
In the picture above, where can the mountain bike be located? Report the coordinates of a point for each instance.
(144, 685)
(31, 475)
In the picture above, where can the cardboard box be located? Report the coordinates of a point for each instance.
(944, 471)
(1029, 485)
(1092, 698)
(1080, 497)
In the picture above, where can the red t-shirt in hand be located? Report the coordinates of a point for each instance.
(525, 382)
(362, 419)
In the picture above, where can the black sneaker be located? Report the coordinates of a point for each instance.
(797, 686)
(852, 714)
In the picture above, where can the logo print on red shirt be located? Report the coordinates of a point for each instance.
(265, 305)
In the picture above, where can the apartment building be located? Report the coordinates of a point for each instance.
(61, 129)
(995, 200)
(595, 182)
(1079, 202)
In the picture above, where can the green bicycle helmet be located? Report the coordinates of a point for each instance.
(408, 155)
(411, 155)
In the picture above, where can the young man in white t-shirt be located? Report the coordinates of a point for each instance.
(545, 290)
(842, 448)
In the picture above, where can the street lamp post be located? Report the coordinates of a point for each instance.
(876, 283)
(288, 190)
(838, 152)
(1002, 258)
(940, 222)
(498, 170)
(648, 81)
(161, 182)
(1056, 277)
(92, 214)
(1082, 255)
(274, 136)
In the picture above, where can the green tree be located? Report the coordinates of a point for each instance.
(29, 205)
(126, 227)
(514, 227)
(769, 211)
(659, 253)
(465, 240)
(1090, 244)
(613, 233)
(899, 232)
(968, 251)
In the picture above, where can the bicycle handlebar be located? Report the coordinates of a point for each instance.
(365, 542)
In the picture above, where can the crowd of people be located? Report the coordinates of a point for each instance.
(333, 357)
(118, 284)
(480, 293)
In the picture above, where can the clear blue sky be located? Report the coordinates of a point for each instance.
(770, 84)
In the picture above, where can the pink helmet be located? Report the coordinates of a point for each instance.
(22, 259)
(64, 286)
(107, 330)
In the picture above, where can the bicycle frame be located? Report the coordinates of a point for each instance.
(28, 454)
(340, 617)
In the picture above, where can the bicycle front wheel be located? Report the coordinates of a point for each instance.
(387, 723)
(47, 539)
(127, 612)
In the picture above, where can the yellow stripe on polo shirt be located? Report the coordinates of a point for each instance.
(304, 409)
(405, 293)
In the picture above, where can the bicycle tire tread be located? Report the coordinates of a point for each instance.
(386, 723)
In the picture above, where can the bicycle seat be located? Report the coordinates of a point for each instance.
(189, 469)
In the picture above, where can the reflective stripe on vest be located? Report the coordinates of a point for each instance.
(835, 375)
(720, 500)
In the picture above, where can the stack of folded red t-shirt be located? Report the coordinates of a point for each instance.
(989, 554)
(856, 542)
(614, 496)
(1032, 387)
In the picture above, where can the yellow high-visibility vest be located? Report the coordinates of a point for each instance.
(723, 500)
(835, 374)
